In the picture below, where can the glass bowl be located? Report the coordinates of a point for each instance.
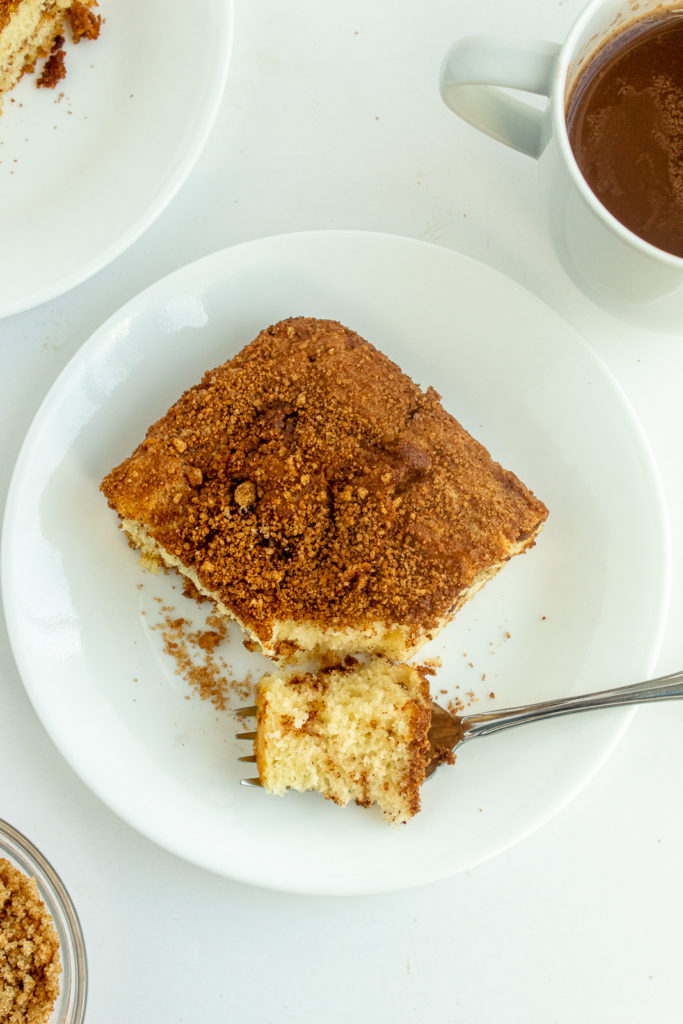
(69, 1007)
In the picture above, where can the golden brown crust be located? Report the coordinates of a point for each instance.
(420, 751)
(310, 479)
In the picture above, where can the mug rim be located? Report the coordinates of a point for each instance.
(566, 54)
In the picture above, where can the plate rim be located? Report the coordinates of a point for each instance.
(140, 303)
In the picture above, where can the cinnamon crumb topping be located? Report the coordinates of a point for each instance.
(84, 22)
(309, 479)
(197, 658)
(29, 951)
(54, 70)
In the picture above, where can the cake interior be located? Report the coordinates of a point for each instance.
(352, 733)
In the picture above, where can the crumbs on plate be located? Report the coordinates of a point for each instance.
(197, 657)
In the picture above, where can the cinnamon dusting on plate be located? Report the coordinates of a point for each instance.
(198, 660)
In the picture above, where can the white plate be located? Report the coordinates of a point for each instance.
(82, 176)
(581, 611)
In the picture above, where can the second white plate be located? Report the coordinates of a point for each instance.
(582, 610)
(86, 168)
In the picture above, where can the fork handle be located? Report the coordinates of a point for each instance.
(668, 687)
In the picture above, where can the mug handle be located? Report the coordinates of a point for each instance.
(472, 69)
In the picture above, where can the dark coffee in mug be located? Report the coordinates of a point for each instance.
(625, 125)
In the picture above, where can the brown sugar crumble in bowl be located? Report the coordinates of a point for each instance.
(29, 951)
(321, 498)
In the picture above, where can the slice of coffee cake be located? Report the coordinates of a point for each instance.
(354, 733)
(322, 499)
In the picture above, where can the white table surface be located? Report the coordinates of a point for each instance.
(331, 118)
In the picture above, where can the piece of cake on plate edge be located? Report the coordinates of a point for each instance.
(31, 30)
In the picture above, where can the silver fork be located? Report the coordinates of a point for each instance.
(448, 731)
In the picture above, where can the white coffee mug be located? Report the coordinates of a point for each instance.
(609, 262)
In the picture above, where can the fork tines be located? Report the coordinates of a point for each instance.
(249, 758)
